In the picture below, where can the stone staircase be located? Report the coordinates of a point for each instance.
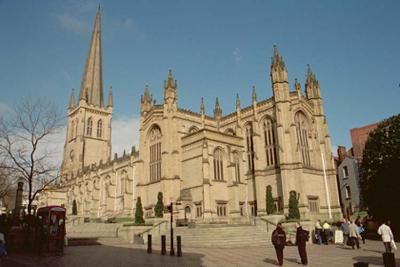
(223, 236)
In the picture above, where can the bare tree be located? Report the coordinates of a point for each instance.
(6, 185)
(24, 139)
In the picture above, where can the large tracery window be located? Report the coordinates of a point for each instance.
(236, 162)
(218, 165)
(269, 139)
(89, 126)
(250, 146)
(99, 128)
(302, 137)
(155, 154)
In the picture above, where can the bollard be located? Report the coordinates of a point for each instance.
(149, 244)
(388, 259)
(163, 245)
(178, 246)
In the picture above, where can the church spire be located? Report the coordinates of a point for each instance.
(72, 100)
(202, 108)
(312, 84)
(170, 82)
(110, 98)
(217, 109)
(237, 102)
(254, 94)
(92, 81)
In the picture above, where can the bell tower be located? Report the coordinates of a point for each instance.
(88, 138)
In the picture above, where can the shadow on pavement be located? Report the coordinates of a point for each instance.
(292, 260)
(371, 250)
(103, 255)
(373, 260)
(271, 261)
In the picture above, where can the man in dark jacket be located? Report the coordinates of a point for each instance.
(279, 241)
(301, 240)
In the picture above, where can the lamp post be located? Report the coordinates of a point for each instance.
(171, 209)
(172, 252)
(328, 197)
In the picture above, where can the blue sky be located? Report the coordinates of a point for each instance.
(215, 49)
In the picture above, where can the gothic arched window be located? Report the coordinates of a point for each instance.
(99, 128)
(89, 126)
(236, 162)
(230, 131)
(193, 129)
(155, 154)
(269, 140)
(249, 146)
(302, 137)
(218, 165)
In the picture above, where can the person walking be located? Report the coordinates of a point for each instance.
(361, 229)
(301, 239)
(387, 236)
(354, 235)
(326, 228)
(345, 229)
(279, 241)
(318, 232)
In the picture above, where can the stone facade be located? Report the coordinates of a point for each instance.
(349, 185)
(217, 166)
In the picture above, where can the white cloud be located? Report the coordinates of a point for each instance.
(72, 23)
(236, 55)
(53, 146)
(125, 134)
(76, 14)
(126, 23)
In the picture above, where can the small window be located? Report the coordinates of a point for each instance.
(218, 165)
(221, 209)
(242, 210)
(345, 172)
(199, 210)
(99, 128)
(89, 127)
(313, 204)
(348, 192)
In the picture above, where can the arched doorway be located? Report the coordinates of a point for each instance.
(188, 215)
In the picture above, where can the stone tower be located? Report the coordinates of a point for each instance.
(88, 139)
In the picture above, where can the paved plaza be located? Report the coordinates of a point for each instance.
(112, 253)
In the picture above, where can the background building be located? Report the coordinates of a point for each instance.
(348, 163)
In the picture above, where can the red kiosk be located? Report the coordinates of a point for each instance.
(51, 230)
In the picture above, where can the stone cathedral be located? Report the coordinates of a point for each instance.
(217, 166)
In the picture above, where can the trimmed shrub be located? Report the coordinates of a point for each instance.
(159, 208)
(294, 212)
(139, 212)
(270, 201)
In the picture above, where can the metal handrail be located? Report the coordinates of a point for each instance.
(152, 228)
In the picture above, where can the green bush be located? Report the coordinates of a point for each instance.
(159, 208)
(139, 212)
(294, 212)
(270, 201)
